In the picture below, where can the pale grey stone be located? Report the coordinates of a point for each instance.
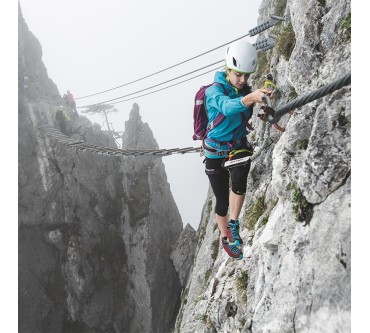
(298, 274)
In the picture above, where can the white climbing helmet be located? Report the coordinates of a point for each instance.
(241, 56)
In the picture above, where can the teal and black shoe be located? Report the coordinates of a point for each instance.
(231, 249)
(233, 233)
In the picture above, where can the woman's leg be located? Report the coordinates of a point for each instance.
(222, 224)
(219, 180)
(236, 203)
(239, 177)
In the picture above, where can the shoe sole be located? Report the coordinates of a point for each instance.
(238, 245)
(240, 256)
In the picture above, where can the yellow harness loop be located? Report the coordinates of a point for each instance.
(236, 151)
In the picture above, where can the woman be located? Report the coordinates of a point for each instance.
(231, 96)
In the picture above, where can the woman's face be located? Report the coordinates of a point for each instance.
(238, 79)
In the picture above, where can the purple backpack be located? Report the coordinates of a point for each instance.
(201, 126)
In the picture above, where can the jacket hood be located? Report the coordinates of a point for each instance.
(220, 77)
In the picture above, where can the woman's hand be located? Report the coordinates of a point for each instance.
(255, 97)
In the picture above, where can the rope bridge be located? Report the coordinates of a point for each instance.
(83, 146)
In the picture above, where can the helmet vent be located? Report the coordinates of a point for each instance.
(234, 62)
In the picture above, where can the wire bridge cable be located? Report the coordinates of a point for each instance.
(172, 85)
(258, 29)
(156, 85)
(164, 88)
(263, 45)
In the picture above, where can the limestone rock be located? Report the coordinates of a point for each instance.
(95, 232)
(295, 277)
(183, 253)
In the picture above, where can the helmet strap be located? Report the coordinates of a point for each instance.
(228, 80)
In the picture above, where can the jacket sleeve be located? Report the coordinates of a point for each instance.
(228, 106)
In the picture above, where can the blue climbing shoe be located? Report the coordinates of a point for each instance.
(232, 250)
(233, 233)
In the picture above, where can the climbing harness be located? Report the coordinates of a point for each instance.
(238, 162)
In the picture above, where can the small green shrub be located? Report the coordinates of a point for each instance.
(346, 27)
(302, 144)
(202, 230)
(202, 317)
(302, 209)
(184, 300)
(263, 68)
(242, 284)
(254, 212)
(264, 221)
(207, 321)
(286, 41)
(215, 248)
(201, 295)
(207, 275)
(250, 239)
(322, 3)
(184, 296)
(292, 94)
(242, 281)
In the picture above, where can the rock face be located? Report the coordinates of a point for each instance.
(295, 275)
(95, 232)
(183, 253)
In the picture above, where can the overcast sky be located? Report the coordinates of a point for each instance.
(90, 46)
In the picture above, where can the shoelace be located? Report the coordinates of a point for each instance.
(234, 227)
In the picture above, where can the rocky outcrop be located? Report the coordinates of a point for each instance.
(183, 253)
(295, 275)
(95, 232)
(152, 225)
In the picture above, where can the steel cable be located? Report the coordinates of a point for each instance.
(321, 92)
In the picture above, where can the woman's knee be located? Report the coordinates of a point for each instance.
(221, 207)
(239, 177)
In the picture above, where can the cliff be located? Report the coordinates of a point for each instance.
(95, 232)
(296, 271)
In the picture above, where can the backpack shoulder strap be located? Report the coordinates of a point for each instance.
(220, 117)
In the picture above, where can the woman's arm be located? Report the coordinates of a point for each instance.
(254, 97)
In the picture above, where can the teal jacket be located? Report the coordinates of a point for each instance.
(232, 128)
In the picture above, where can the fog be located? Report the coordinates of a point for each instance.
(92, 46)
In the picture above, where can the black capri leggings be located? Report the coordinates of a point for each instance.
(219, 179)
